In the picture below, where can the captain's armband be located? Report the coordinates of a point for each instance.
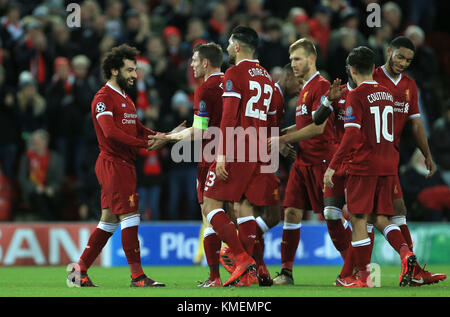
(200, 122)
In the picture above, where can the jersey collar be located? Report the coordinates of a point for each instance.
(311, 78)
(116, 90)
(248, 60)
(214, 74)
(395, 82)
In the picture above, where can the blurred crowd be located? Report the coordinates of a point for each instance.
(50, 71)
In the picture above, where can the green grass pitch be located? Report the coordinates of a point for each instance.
(310, 281)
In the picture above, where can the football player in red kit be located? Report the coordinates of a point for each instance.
(316, 145)
(234, 174)
(369, 136)
(406, 109)
(120, 135)
(206, 63)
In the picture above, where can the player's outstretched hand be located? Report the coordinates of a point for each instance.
(157, 141)
(288, 151)
(179, 128)
(328, 178)
(429, 164)
(221, 171)
(335, 91)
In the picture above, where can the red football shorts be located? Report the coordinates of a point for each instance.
(338, 189)
(244, 180)
(398, 193)
(118, 186)
(370, 194)
(202, 172)
(304, 189)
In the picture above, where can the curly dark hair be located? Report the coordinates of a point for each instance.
(114, 59)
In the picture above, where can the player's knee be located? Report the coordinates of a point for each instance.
(293, 215)
(108, 217)
(272, 215)
(332, 213)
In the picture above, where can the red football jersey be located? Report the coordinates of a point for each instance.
(208, 104)
(339, 113)
(320, 148)
(370, 107)
(277, 114)
(404, 91)
(251, 83)
(111, 102)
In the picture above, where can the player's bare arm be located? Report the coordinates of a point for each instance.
(420, 137)
(306, 133)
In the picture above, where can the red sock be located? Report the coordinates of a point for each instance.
(395, 238)
(211, 245)
(339, 236)
(407, 236)
(96, 242)
(247, 234)
(130, 244)
(349, 263)
(258, 250)
(362, 254)
(226, 230)
(289, 245)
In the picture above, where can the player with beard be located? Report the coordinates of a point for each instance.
(120, 135)
(268, 217)
(406, 109)
(235, 177)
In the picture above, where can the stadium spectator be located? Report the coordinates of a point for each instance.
(41, 175)
(272, 52)
(182, 176)
(32, 106)
(424, 69)
(319, 27)
(11, 28)
(167, 77)
(392, 15)
(137, 28)
(60, 41)
(440, 141)
(379, 42)
(173, 39)
(114, 23)
(9, 128)
(218, 23)
(62, 113)
(87, 189)
(301, 25)
(33, 54)
(414, 182)
(149, 180)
